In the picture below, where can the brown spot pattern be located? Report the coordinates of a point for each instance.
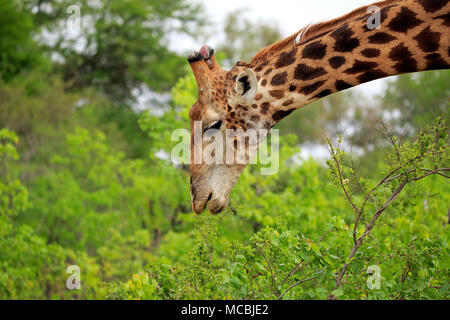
(288, 102)
(279, 79)
(315, 51)
(361, 66)
(311, 88)
(371, 75)
(323, 93)
(345, 42)
(336, 62)
(404, 59)
(342, 85)
(428, 40)
(280, 114)
(304, 72)
(371, 52)
(404, 21)
(286, 58)
(433, 5)
(277, 93)
(265, 107)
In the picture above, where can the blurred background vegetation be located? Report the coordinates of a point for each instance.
(82, 181)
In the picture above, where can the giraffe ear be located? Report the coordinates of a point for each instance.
(246, 86)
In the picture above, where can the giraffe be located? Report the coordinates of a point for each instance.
(313, 63)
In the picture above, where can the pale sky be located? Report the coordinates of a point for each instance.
(290, 15)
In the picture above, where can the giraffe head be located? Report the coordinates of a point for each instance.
(312, 63)
(224, 106)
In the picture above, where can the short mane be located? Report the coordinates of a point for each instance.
(313, 30)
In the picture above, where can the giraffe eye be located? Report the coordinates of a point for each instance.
(215, 125)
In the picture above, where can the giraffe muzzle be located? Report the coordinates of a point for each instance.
(215, 205)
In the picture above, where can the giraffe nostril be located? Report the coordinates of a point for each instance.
(193, 192)
(199, 205)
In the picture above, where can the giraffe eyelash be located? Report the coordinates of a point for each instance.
(214, 126)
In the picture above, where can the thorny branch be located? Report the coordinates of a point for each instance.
(261, 249)
(294, 285)
(405, 176)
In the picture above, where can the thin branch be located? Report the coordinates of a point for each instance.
(270, 268)
(438, 171)
(387, 178)
(375, 217)
(341, 180)
(297, 268)
(356, 176)
(294, 285)
(405, 172)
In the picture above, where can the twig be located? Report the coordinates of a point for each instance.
(369, 227)
(294, 285)
(338, 167)
(270, 268)
(297, 268)
(405, 171)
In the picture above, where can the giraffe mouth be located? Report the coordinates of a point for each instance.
(211, 187)
(200, 205)
(215, 205)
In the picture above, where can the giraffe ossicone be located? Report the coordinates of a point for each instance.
(321, 59)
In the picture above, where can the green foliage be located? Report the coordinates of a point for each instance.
(36, 110)
(408, 163)
(18, 51)
(127, 222)
(269, 263)
(85, 180)
(29, 266)
(420, 98)
(124, 42)
(288, 236)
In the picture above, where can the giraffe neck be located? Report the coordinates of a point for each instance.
(413, 36)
